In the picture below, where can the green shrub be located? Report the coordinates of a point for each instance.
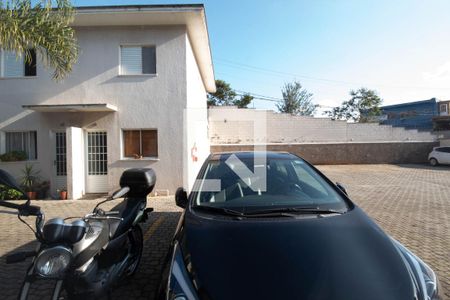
(14, 156)
(7, 193)
(30, 178)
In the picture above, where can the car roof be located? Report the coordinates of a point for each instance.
(222, 156)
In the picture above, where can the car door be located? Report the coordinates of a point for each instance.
(444, 155)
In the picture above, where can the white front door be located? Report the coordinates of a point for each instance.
(60, 160)
(96, 162)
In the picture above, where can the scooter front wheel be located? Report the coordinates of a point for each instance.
(136, 238)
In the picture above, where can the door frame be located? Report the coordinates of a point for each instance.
(86, 160)
(54, 176)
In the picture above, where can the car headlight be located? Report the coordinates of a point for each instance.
(179, 286)
(425, 278)
(431, 281)
(52, 262)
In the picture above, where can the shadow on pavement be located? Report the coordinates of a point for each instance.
(158, 233)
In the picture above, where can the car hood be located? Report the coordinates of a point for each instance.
(336, 257)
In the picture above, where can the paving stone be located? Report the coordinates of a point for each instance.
(410, 202)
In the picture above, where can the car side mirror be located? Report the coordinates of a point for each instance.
(181, 198)
(342, 188)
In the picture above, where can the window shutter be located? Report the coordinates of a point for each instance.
(131, 60)
(13, 66)
(149, 143)
(131, 143)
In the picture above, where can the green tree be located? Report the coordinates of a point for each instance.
(363, 106)
(243, 101)
(24, 26)
(296, 100)
(225, 95)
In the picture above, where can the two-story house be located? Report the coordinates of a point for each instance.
(135, 98)
(410, 115)
(442, 120)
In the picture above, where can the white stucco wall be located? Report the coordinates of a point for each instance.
(196, 121)
(143, 102)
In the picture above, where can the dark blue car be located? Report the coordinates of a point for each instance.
(266, 225)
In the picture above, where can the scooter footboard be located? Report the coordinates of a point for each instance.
(89, 284)
(93, 282)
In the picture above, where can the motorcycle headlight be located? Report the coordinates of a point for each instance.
(180, 286)
(426, 280)
(52, 262)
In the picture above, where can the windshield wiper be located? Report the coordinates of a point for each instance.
(273, 212)
(220, 210)
(299, 210)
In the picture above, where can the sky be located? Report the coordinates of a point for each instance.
(399, 48)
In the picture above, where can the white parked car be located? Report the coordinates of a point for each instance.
(439, 155)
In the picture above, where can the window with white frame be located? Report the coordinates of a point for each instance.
(137, 60)
(25, 141)
(443, 109)
(140, 143)
(12, 65)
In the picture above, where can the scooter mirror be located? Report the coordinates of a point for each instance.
(9, 189)
(120, 193)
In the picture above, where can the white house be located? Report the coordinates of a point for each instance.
(136, 98)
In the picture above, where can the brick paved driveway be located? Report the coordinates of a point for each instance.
(158, 231)
(411, 203)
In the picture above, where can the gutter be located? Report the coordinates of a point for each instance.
(139, 8)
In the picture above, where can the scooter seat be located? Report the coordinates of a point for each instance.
(128, 211)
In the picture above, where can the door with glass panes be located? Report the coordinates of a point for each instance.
(59, 161)
(96, 162)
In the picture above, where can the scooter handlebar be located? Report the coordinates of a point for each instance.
(10, 205)
(24, 209)
(30, 210)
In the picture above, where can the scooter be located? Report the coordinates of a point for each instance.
(90, 255)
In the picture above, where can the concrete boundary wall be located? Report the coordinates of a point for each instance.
(285, 128)
(348, 153)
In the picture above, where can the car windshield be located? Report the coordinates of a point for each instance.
(290, 183)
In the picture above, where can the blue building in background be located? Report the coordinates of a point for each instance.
(413, 115)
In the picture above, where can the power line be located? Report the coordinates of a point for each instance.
(284, 74)
(258, 96)
(257, 69)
